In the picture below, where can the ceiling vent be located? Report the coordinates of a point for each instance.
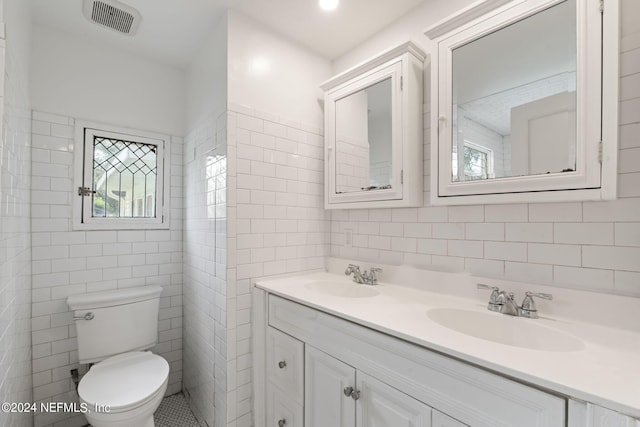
(112, 14)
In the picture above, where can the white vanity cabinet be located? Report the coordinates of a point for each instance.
(396, 382)
(337, 394)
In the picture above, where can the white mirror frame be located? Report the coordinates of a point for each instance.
(404, 65)
(597, 145)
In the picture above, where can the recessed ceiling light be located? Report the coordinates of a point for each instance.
(328, 4)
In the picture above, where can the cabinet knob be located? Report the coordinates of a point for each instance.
(282, 422)
(347, 391)
(282, 364)
(355, 395)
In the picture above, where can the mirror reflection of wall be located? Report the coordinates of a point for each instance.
(379, 108)
(352, 143)
(514, 99)
(363, 139)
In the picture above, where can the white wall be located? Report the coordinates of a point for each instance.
(272, 74)
(15, 245)
(409, 27)
(591, 245)
(206, 79)
(77, 78)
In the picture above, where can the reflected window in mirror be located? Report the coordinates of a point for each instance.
(477, 163)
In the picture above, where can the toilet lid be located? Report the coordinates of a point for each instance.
(124, 381)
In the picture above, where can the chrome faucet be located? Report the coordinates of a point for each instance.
(368, 278)
(503, 302)
(507, 303)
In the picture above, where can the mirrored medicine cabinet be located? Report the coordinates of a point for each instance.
(524, 102)
(373, 132)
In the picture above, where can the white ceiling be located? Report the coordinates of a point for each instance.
(172, 31)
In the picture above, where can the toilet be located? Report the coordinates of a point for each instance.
(126, 384)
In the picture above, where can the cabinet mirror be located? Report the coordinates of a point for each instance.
(520, 104)
(373, 132)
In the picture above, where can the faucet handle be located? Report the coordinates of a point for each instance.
(529, 308)
(375, 270)
(539, 295)
(494, 299)
(351, 268)
(372, 275)
(494, 292)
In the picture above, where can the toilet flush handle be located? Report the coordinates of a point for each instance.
(87, 316)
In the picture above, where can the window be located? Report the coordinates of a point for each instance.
(122, 178)
(477, 162)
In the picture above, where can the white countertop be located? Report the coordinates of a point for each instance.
(605, 371)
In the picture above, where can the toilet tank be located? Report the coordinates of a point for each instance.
(115, 322)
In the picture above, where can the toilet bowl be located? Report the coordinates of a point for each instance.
(124, 390)
(125, 384)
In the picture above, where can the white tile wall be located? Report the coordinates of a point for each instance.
(205, 285)
(591, 245)
(15, 247)
(67, 262)
(276, 225)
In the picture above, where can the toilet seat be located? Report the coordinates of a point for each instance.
(124, 382)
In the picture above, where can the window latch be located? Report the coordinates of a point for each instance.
(85, 191)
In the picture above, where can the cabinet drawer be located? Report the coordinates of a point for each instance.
(471, 395)
(285, 364)
(281, 410)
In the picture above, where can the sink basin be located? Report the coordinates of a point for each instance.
(503, 329)
(342, 289)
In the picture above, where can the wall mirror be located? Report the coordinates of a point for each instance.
(522, 98)
(373, 133)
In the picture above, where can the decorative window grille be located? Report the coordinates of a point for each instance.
(124, 174)
(123, 180)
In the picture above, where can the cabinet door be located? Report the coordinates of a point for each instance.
(438, 419)
(380, 405)
(281, 410)
(582, 414)
(285, 358)
(326, 379)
